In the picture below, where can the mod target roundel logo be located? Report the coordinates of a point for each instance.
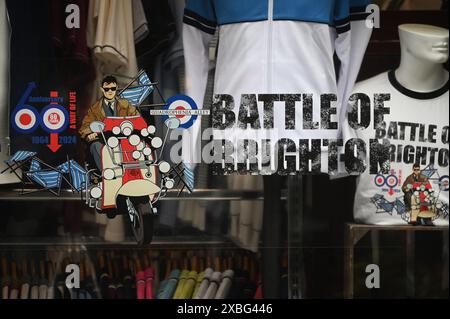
(185, 104)
(380, 180)
(25, 119)
(391, 181)
(54, 118)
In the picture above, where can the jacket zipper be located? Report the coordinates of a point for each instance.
(269, 47)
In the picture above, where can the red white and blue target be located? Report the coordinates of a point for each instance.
(182, 103)
(380, 180)
(391, 181)
(54, 118)
(443, 183)
(25, 119)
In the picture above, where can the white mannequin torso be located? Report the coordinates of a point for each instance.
(424, 49)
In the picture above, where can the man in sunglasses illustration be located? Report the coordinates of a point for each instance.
(108, 106)
(408, 189)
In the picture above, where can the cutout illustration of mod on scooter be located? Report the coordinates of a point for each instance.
(130, 176)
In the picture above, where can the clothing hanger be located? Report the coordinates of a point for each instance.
(201, 264)
(50, 272)
(14, 273)
(194, 263)
(185, 263)
(82, 269)
(6, 283)
(110, 265)
(14, 288)
(34, 282)
(209, 263)
(246, 264)
(230, 262)
(138, 264)
(101, 261)
(225, 263)
(4, 267)
(217, 264)
(238, 261)
(42, 268)
(33, 268)
(146, 261)
(253, 270)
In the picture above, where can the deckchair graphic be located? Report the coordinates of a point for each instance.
(33, 171)
(19, 160)
(136, 95)
(20, 156)
(76, 173)
(49, 179)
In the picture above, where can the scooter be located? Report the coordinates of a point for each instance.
(133, 177)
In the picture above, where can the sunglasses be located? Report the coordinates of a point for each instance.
(417, 170)
(110, 89)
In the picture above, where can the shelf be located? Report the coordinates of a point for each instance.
(409, 228)
(201, 194)
(174, 243)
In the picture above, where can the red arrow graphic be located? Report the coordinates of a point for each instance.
(54, 145)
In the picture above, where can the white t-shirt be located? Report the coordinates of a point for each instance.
(416, 127)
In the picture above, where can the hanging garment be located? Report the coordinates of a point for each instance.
(110, 35)
(189, 285)
(5, 287)
(198, 282)
(91, 292)
(51, 291)
(43, 290)
(161, 27)
(204, 284)
(43, 282)
(149, 277)
(34, 291)
(104, 281)
(258, 293)
(213, 285)
(140, 23)
(246, 216)
(5, 34)
(170, 286)
(75, 66)
(416, 128)
(61, 290)
(225, 284)
(240, 280)
(174, 57)
(14, 293)
(129, 292)
(181, 281)
(25, 283)
(272, 47)
(140, 285)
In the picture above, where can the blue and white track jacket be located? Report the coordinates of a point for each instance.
(273, 46)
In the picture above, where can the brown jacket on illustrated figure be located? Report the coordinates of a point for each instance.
(97, 113)
(411, 180)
